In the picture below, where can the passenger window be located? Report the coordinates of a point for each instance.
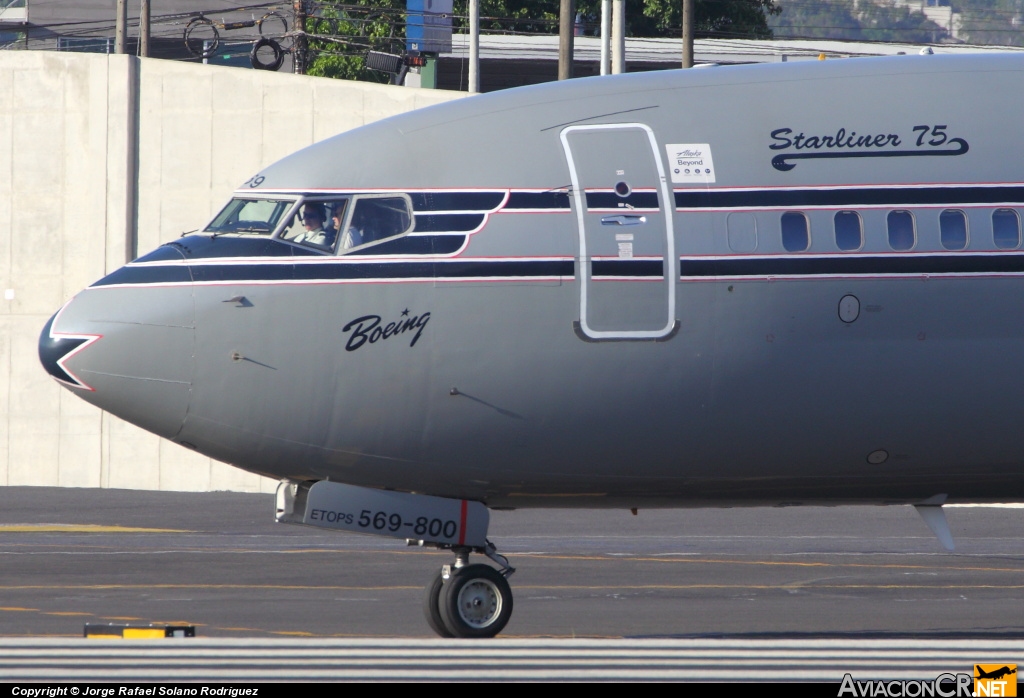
(849, 230)
(796, 236)
(249, 216)
(953, 229)
(901, 230)
(742, 232)
(316, 223)
(1006, 228)
(375, 219)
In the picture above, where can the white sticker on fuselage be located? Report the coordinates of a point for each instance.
(690, 163)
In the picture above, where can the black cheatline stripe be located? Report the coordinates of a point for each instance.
(341, 271)
(415, 245)
(242, 272)
(448, 223)
(627, 267)
(201, 246)
(457, 201)
(168, 252)
(854, 266)
(869, 196)
(554, 267)
(147, 275)
(223, 246)
(553, 200)
(609, 199)
(443, 270)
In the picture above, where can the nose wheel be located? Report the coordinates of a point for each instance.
(469, 601)
(475, 601)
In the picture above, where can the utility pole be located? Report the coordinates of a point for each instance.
(566, 26)
(606, 38)
(144, 29)
(299, 26)
(688, 33)
(474, 45)
(618, 36)
(120, 26)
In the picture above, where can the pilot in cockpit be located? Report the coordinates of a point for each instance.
(356, 233)
(337, 219)
(313, 222)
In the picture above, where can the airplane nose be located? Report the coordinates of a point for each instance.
(128, 349)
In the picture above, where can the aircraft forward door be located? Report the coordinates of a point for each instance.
(623, 208)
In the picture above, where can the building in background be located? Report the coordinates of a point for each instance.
(512, 61)
(938, 11)
(13, 18)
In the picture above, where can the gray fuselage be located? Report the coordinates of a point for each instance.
(771, 284)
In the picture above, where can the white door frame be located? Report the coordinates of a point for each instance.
(668, 205)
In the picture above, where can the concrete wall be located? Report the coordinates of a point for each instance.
(71, 211)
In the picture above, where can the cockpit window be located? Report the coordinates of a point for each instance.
(317, 222)
(348, 222)
(250, 216)
(376, 218)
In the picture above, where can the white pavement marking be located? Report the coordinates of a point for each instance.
(245, 660)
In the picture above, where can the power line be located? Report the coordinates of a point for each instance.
(346, 30)
(109, 23)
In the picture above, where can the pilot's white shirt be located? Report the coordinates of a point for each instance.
(312, 237)
(351, 238)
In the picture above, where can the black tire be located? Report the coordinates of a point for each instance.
(277, 54)
(431, 605)
(476, 602)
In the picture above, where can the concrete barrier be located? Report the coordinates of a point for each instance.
(103, 157)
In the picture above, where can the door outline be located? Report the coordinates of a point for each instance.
(671, 266)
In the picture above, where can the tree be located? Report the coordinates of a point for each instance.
(726, 18)
(889, 22)
(743, 19)
(817, 20)
(341, 33)
(875, 20)
(993, 22)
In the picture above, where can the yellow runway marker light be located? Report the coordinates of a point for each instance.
(138, 632)
(144, 633)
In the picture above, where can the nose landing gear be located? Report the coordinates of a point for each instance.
(462, 600)
(469, 601)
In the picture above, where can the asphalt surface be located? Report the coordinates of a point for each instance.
(218, 561)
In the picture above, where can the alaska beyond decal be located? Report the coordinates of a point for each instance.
(926, 140)
(690, 163)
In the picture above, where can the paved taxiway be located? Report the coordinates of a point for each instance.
(219, 561)
(742, 594)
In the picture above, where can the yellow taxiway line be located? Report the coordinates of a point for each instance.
(80, 528)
